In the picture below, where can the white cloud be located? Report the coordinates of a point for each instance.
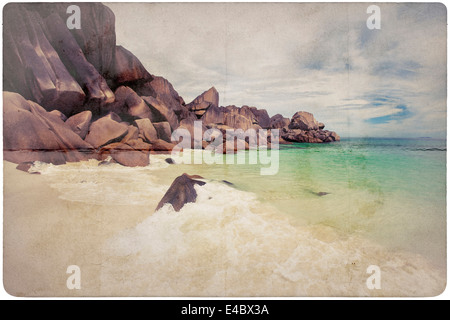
(289, 57)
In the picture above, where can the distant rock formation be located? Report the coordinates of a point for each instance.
(303, 127)
(74, 94)
(204, 101)
(214, 115)
(279, 122)
(262, 117)
(304, 121)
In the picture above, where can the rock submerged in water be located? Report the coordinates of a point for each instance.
(228, 182)
(181, 191)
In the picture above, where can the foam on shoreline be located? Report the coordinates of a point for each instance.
(228, 243)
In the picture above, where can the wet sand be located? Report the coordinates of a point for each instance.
(227, 244)
(44, 234)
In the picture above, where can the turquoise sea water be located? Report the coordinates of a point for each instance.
(392, 191)
(312, 229)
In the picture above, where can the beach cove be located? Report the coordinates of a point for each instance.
(98, 201)
(253, 238)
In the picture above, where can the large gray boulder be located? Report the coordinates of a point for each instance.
(128, 68)
(304, 121)
(79, 123)
(262, 117)
(279, 122)
(128, 105)
(30, 133)
(161, 112)
(214, 115)
(97, 36)
(68, 70)
(147, 131)
(32, 67)
(164, 93)
(163, 130)
(98, 91)
(126, 155)
(105, 131)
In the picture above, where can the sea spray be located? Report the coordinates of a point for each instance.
(111, 184)
(229, 244)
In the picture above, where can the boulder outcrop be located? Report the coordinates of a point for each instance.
(105, 131)
(305, 128)
(80, 122)
(279, 122)
(304, 121)
(128, 68)
(73, 94)
(128, 105)
(203, 102)
(147, 131)
(262, 117)
(30, 133)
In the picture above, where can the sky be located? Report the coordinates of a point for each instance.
(289, 57)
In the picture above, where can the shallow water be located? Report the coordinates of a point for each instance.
(274, 235)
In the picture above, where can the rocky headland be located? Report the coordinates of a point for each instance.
(72, 95)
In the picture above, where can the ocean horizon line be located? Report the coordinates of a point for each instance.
(393, 138)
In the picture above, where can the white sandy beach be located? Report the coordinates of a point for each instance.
(230, 245)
